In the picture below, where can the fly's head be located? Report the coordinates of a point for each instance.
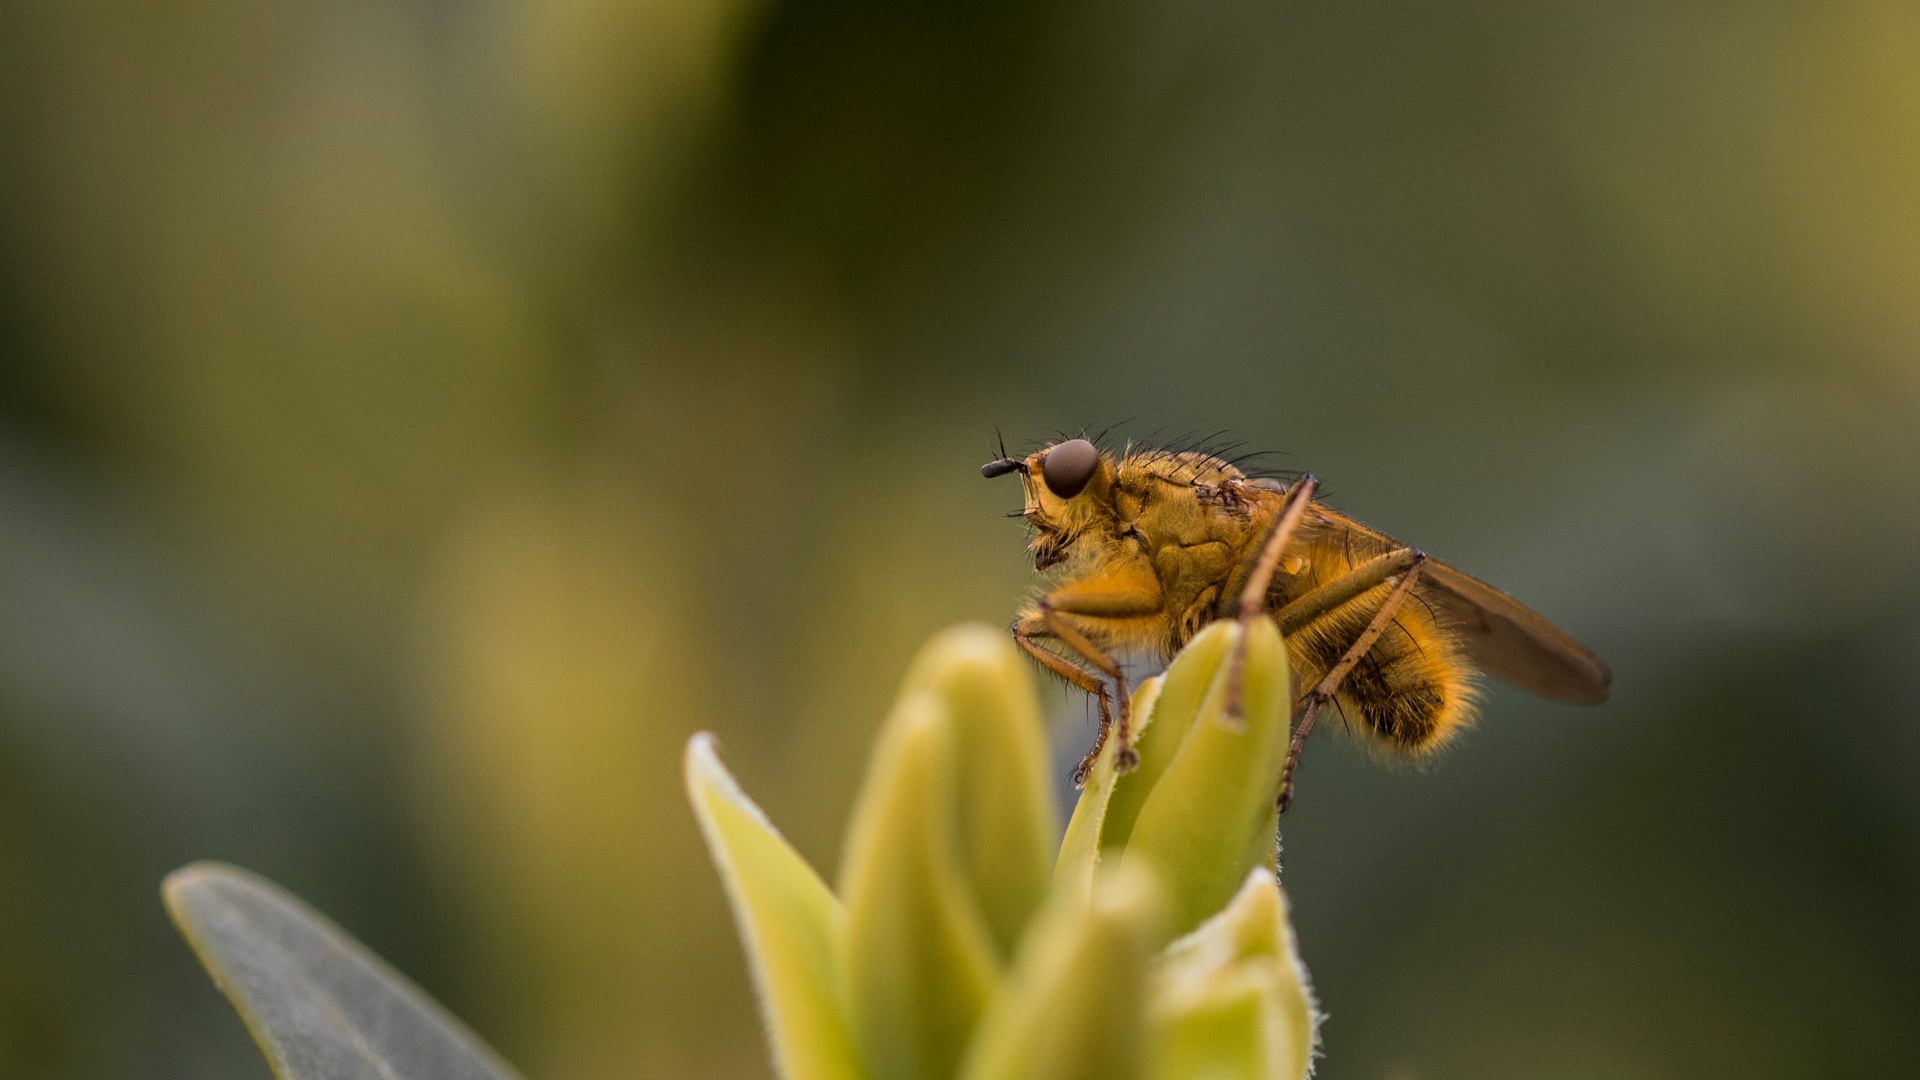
(1069, 493)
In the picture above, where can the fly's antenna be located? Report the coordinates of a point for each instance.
(1003, 464)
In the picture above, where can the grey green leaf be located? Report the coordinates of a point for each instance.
(321, 1006)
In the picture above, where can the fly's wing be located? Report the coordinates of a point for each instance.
(1502, 636)
(1511, 641)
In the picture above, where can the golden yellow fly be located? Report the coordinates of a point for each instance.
(1152, 545)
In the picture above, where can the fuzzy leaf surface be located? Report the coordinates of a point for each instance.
(1005, 820)
(921, 960)
(791, 925)
(1210, 814)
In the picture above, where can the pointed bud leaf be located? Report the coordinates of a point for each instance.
(1210, 815)
(1080, 848)
(1232, 998)
(921, 961)
(1183, 688)
(1230, 1029)
(1075, 1007)
(1004, 815)
(792, 927)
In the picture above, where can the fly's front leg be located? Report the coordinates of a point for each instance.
(1124, 759)
(1324, 690)
(1120, 594)
(1034, 626)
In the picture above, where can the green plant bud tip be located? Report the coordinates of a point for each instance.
(1210, 814)
(792, 927)
(921, 961)
(1233, 998)
(1075, 1007)
(1005, 820)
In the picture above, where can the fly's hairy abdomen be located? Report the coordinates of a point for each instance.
(1413, 691)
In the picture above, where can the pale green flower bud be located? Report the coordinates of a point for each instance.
(906, 974)
(1161, 730)
(1232, 998)
(948, 856)
(1005, 821)
(1075, 1007)
(1206, 813)
(947, 862)
(921, 962)
(1080, 849)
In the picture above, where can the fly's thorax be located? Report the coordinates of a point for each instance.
(1182, 469)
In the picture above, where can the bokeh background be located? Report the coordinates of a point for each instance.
(417, 416)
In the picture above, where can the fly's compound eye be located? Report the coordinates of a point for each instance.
(1069, 466)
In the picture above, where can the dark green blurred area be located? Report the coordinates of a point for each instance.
(417, 418)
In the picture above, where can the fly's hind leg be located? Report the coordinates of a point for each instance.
(1324, 690)
(1316, 602)
(1253, 598)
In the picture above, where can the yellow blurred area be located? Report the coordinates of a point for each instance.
(554, 661)
(418, 417)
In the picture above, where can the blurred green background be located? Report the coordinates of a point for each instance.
(417, 416)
